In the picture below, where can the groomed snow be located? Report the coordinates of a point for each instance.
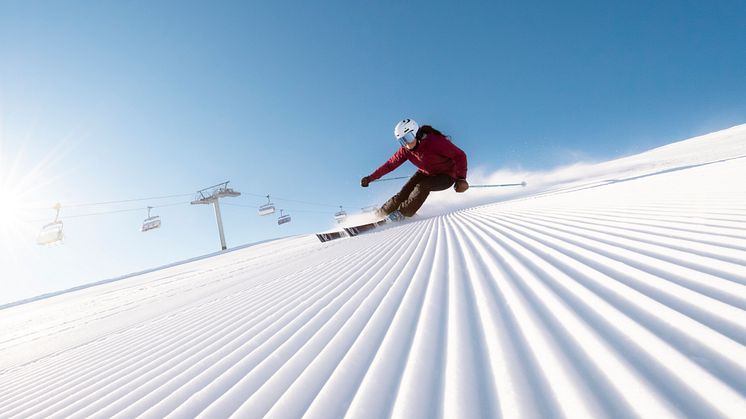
(608, 290)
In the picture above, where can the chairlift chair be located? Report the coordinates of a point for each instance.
(51, 233)
(150, 223)
(283, 218)
(340, 215)
(268, 208)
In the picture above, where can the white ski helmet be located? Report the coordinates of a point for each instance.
(405, 131)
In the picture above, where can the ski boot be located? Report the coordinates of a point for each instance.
(395, 216)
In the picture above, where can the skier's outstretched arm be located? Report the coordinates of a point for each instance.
(395, 161)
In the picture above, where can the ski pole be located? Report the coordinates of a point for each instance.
(390, 178)
(471, 186)
(498, 185)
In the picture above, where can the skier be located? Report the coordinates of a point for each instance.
(441, 164)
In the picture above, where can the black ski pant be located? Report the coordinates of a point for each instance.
(414, 193)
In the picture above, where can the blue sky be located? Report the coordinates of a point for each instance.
(109, 101)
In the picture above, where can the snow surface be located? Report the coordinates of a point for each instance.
(609, 290)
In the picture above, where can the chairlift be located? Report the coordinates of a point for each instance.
(283, 218)
(150, 223)
(268, 208)
(51, 233)
(340, 215)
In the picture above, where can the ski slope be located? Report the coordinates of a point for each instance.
(613, 291)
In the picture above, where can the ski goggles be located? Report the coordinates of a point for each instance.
(407, 138)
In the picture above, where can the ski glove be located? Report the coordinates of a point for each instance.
(461, 185)
(364, 182)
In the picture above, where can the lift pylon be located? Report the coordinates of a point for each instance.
(212, 195)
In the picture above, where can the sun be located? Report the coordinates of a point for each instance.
(23, 212)
(10, 219)
(20, 217)
(13, 216)
(10, 206)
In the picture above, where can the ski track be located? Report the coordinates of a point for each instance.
(536, 307)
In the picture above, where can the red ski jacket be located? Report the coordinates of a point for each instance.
(434, 155)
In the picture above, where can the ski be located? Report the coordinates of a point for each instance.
(358, 229)
(332, 235)
(354, 231)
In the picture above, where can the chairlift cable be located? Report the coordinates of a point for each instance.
(116, 211)
(303, 202)
(91, 204)
(277, 198)
(153, 198)
(125, 210)
(254, 194)
(285, 209)
(102, 213)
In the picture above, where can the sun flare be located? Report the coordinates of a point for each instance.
(14, 216)
(20, 216)
(11, 225)
(10, 207)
